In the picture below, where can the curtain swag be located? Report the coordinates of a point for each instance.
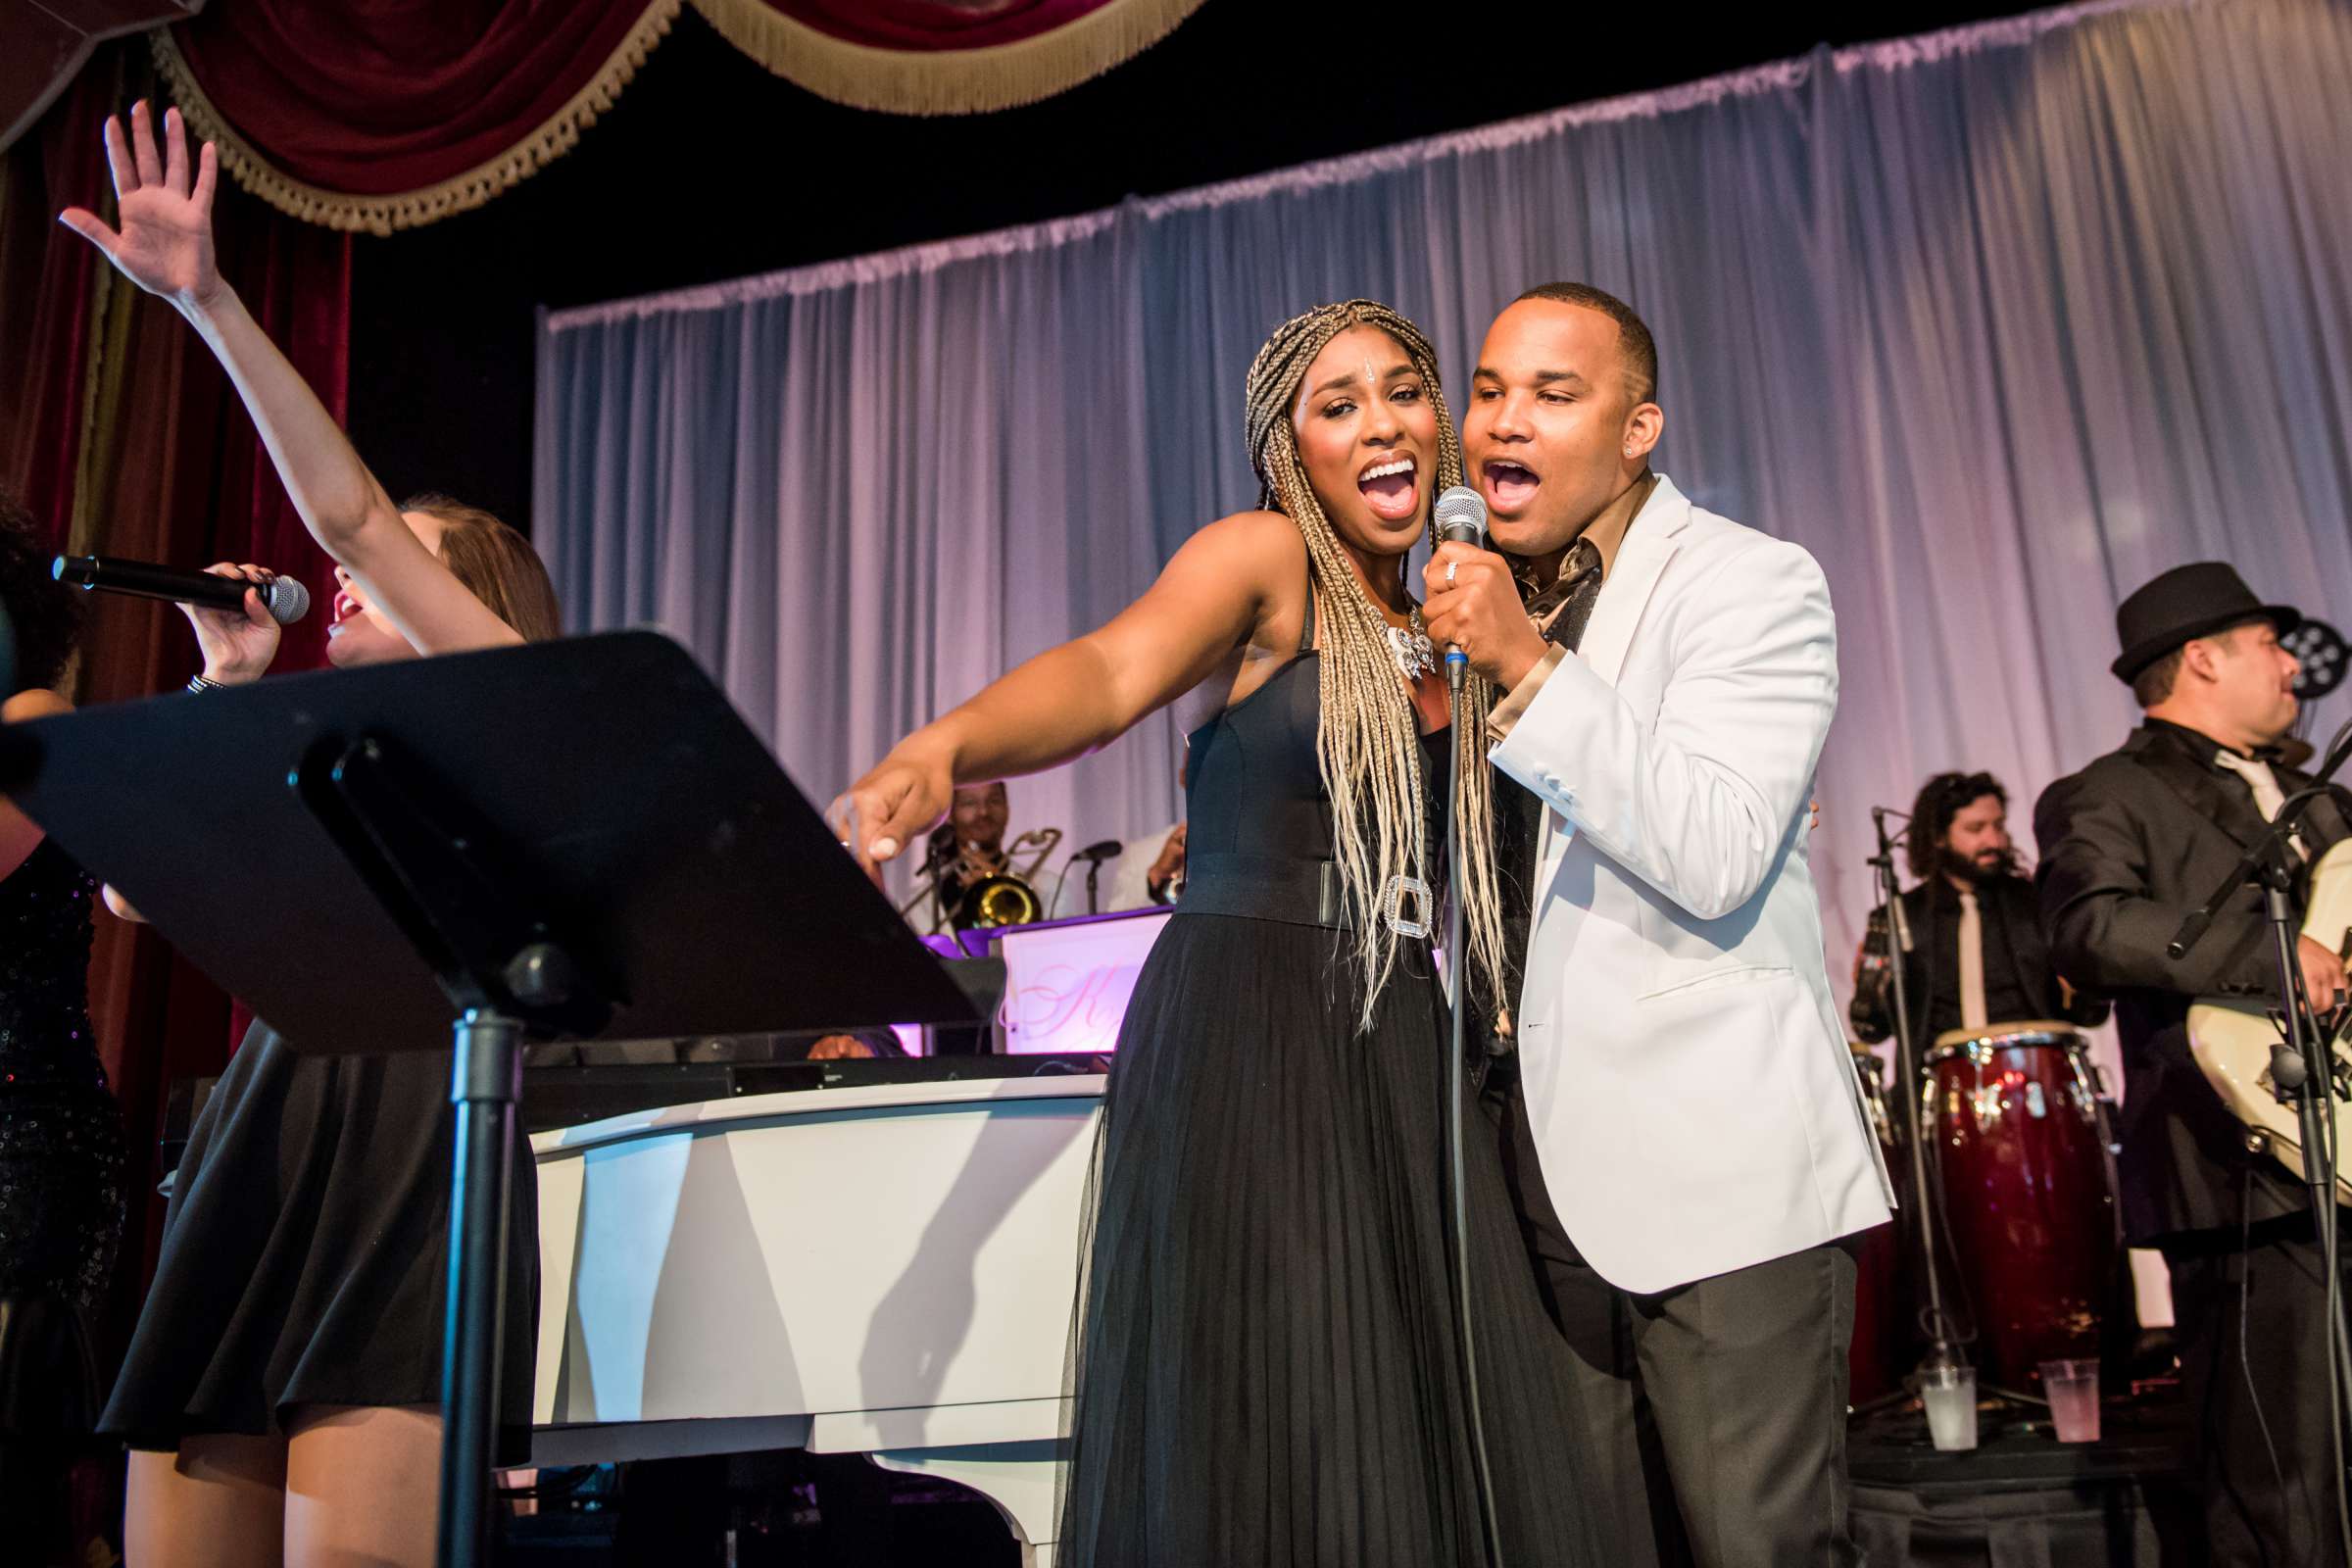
(1044, 48)
(540, 143)
(406, 134)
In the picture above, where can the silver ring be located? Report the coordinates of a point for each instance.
(1450, 567)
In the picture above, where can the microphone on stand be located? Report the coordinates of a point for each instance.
(1460, 519)
(1094, 854)
(286, 600)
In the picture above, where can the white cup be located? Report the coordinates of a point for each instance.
(1951, 1395)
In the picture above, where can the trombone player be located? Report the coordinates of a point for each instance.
(971, 877)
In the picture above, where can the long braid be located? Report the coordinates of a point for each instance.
(1368, 743)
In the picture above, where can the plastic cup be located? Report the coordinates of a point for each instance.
(2073, 1386)
(1951, 1395)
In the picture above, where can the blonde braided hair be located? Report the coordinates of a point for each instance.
(1368, 742)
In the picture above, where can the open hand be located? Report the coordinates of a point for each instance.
(166, 242)
(238, 644)
(879, 816)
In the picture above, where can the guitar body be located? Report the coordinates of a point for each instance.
(2232, 1043)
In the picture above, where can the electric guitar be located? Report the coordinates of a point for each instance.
(2234, 1045)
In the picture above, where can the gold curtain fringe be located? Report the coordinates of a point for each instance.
(382, 215)
(947, 82)
(954, 81)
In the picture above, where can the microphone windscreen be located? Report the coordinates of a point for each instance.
(1461, 517)
(286, 600)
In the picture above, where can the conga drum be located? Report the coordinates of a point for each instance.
(1886, 1313)
(2013, 1115)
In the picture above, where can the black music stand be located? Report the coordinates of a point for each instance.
(576, 839)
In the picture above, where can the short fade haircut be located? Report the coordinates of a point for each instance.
(1641, 350)
(2155, 683)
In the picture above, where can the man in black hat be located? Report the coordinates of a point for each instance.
(2128, 847)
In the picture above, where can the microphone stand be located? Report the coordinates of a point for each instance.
(2302, 1068)
(1457, 965)
(1943, 1347)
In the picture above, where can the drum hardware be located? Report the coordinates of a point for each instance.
(1944, 1346)
(1880, 1353)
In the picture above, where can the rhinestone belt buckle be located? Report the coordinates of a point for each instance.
(1391, 905)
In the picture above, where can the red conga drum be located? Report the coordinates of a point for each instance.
(1886, 1313)
(2012, 1112)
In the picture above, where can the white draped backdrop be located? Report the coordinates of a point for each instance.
(1998, 324)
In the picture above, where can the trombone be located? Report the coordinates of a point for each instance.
(1006, 897)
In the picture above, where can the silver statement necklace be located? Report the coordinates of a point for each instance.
(1415, 655)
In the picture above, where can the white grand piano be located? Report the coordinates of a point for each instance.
(886, 1269)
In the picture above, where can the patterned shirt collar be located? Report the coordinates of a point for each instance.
(1561, 606)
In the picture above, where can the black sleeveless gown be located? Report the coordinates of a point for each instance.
(1267, 1353)
(61, 1156)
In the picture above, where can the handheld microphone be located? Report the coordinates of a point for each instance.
(286, 600)
(1460, 519)
(1108, 849)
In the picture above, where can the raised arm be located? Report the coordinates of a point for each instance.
(166, 246)
(1208, 602)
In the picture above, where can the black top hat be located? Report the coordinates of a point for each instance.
(2191, 601)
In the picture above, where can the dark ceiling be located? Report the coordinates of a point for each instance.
(712, 168)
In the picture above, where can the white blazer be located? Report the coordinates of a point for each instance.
(1687, 1081)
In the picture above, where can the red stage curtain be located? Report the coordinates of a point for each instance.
(384, 114)
(943, 57)
(123, 436)
(381, 114)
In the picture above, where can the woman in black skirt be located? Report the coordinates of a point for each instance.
(61, 1133)
(1269, 1363)
(280, 1392)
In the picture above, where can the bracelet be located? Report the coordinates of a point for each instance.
(198, 683)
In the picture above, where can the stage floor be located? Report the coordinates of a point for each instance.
(2020, 1500)
(2021, 1497)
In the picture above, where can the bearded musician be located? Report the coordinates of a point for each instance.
(1971, 932)
(2128, 847)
